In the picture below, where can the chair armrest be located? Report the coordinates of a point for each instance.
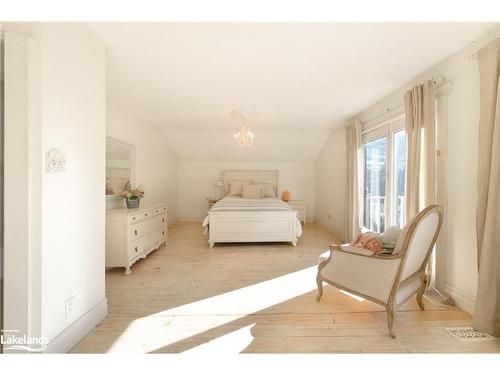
(346, 248)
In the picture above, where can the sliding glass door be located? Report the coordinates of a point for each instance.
(374, 182)
(383, 182)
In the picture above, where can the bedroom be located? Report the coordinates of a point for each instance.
(299, 187)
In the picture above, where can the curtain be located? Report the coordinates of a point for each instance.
(487, 309)
(353, 149)
(420, 125)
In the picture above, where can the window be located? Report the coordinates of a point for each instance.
(383, 182)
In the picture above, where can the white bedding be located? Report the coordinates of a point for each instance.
(237, 204)
(242, 204)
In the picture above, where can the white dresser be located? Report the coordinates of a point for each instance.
(133, 234)
(299, 206)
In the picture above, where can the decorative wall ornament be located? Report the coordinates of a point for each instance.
(55, 161)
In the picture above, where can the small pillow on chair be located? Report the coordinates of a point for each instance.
(252, 191)
(390, 238)
(369, 241)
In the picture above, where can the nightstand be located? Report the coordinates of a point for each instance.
(211, 201)
(299, 206)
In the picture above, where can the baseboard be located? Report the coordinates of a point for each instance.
(462, 299)
(68, 338)
(187, 219)
(339, 233)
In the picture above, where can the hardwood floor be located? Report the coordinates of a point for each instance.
(256, 298)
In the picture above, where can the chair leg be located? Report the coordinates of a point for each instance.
(319, 281)
(391, 319)
(421, 291)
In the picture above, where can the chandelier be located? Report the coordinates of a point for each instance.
(244, 137)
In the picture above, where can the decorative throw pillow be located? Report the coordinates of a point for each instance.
(267, 189)
(235, 187)
(368, 241)
(390, 237)
(252, 191)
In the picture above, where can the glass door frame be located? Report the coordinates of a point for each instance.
(383, 129)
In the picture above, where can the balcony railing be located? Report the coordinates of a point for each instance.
(374, 215)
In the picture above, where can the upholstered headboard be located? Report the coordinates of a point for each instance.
(262, 176)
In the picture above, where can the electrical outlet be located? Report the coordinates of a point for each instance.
(68, 312)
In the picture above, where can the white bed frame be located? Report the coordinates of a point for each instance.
(252, 226)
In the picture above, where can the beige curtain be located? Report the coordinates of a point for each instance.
(420, 106)
(487, 309)
(353, 149)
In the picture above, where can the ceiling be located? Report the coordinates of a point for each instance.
(303, 77)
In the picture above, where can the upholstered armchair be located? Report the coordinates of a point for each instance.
(389, 280)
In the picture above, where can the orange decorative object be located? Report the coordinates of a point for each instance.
(285, 195)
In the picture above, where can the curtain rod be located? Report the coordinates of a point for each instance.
(394, 113)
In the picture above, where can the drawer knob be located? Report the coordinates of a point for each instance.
(135, 231)
(163, 220)
(163, 232)
(136, 249)
(133, 218)
(145, 214)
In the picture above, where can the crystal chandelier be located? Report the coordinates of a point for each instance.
(244, 137)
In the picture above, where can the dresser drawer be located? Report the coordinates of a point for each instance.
(159, 235)
(159, 210)
(138, 230)
(161, 221)
(139, 246)
(140, 216)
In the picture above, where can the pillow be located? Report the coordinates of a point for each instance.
(369, 241)
(267, 189)
(390, 237)
(401, 239)
(252, 191)
(235, 187)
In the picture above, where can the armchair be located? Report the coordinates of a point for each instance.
(389, 280)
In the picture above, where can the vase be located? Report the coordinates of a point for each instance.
(285, 195)
(133, 203)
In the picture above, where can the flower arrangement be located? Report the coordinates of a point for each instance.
(132, 196)
(130, 193)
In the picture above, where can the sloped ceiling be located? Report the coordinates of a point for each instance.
(269, 145)
(297, 80)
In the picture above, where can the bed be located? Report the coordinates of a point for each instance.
(235, 219)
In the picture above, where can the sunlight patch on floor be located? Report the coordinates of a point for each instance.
(167, 327)
(231, 343)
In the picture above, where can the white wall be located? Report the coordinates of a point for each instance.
(197, 178)
(461, 165)
(155, 161)
(73, 203)
(330, 187)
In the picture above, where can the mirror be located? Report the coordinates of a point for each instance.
(120, 158)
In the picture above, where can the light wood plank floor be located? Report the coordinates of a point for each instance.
(256, 298)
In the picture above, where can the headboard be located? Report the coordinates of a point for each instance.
(263, 176)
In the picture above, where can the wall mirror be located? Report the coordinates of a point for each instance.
(120, 169)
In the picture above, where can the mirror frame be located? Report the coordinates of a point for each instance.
(131, 149)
